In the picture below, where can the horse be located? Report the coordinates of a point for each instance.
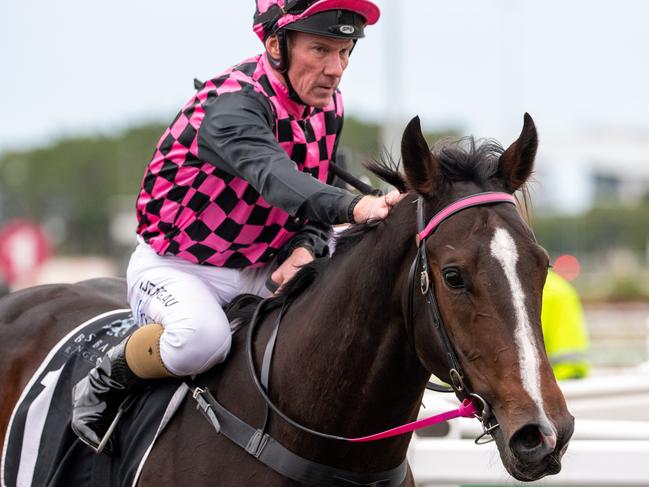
(357, 347)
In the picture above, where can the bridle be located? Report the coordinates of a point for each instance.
(427, 288)
(472, 404)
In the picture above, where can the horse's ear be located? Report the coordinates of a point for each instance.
(517, 162)
(419, 164)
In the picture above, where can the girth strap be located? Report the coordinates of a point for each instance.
(275, 456)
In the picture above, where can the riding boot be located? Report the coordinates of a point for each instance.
(97, 398)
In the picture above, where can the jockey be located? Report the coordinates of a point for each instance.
(235, 196)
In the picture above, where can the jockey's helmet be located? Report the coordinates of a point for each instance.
(341, 19)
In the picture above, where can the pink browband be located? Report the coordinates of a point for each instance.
(475, 200)
(466, 410)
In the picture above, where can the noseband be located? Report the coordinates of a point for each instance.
(427, 289)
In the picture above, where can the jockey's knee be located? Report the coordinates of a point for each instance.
(190, 350)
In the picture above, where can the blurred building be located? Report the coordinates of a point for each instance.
(574, 172)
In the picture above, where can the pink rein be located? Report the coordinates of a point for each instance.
(466, 410)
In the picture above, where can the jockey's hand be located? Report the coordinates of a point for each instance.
(376, 208)
(299, 257)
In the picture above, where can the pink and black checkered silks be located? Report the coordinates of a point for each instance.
(191, 209)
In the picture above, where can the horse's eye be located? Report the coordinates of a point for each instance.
(453, 278)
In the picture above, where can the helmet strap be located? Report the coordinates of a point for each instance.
(282, 64)
(353, 46)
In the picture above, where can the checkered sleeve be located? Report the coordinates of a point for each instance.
(237, 136)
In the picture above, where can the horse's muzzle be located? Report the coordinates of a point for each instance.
(536, 450)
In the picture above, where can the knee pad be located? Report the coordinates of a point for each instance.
(143, 353)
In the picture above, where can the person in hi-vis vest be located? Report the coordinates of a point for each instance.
(564, 330)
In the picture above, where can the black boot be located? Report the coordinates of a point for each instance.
(96, 399)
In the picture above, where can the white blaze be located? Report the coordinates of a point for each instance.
(503, 248)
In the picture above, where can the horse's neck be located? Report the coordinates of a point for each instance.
(344, 363)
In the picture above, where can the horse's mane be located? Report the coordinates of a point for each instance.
(465, 159)
(468, 159)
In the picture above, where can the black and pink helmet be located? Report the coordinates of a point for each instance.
(343, 19)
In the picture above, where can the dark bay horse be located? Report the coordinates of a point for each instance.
(345, 361)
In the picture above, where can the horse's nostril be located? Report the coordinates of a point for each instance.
(527, 438)
(532, 443)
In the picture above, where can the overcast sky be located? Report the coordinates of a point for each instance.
(77, 66)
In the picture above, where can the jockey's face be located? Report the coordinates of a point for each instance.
(316, 66)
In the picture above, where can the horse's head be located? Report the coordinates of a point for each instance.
(488, 274)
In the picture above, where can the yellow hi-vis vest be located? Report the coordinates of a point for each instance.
(564, 331)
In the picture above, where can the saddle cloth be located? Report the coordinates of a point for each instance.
(41, 450)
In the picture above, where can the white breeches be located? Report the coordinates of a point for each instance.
(187, 300)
